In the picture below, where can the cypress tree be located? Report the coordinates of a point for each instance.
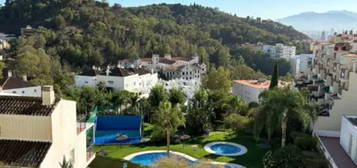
(275, 78)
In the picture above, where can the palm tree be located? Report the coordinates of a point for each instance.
(277, 107)
(168, 119)
(66, 164)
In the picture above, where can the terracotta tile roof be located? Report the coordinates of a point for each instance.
(14, 83)
(16, 105)
(89, 72)
(260, 84)
(23, 153)
(167, 61)
(128, 71)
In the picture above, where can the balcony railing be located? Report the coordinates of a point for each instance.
(90, 154)
(323, 149)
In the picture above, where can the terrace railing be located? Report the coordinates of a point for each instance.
(327, 155)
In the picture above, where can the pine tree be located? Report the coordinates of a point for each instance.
(275, 78)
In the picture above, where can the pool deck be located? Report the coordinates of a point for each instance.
(131, 156)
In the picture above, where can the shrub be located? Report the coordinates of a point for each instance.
(287, 157)
(306, 143)
(315, 160)
(236, 122)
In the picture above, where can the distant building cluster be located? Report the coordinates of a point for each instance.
(140, 75)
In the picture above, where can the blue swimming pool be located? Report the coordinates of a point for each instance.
(225, 149)
(110, 137)
(148, 159)
(151, 158)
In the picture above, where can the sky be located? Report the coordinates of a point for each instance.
(267, 9)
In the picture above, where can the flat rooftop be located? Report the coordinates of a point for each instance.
(353, 120)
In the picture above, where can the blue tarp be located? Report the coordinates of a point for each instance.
(109, 128)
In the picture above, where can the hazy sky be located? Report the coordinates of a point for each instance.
(272, 9)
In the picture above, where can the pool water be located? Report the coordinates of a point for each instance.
(225, 149)
(109, 137)
(149, 159)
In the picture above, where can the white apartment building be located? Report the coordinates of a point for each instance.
(40, 132)
(301, 64)
(333, 83)
(249, 90)
(279, 51)
(18, 87)
(136, 80)
(189, 87)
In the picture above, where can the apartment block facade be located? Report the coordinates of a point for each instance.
(333, 83)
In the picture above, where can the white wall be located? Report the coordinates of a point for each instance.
(81, 81)
(134, 83)
(349, 132)
(25, 127)
(29, 91)
(345, 106)
(247, 93)
(64, 134)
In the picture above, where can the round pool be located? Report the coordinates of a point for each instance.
(149, 158)
(225, 148)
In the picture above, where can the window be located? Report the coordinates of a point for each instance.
(110, 82)
(23, 92)
(86, 82)
(35, 90)
(14, 92)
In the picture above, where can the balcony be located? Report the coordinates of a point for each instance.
(83, 126)
(90, 155)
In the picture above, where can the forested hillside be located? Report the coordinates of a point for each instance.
(74, 34)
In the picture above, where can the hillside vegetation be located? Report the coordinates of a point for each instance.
(76, 34)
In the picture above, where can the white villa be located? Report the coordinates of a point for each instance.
(40, 132)
(138, 80)
(18, 87)
(249, 90)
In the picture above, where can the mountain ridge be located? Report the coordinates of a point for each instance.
(314, 21)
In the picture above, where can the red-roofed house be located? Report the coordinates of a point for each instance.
(249, 90)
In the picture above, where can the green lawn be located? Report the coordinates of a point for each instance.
(252, 159)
